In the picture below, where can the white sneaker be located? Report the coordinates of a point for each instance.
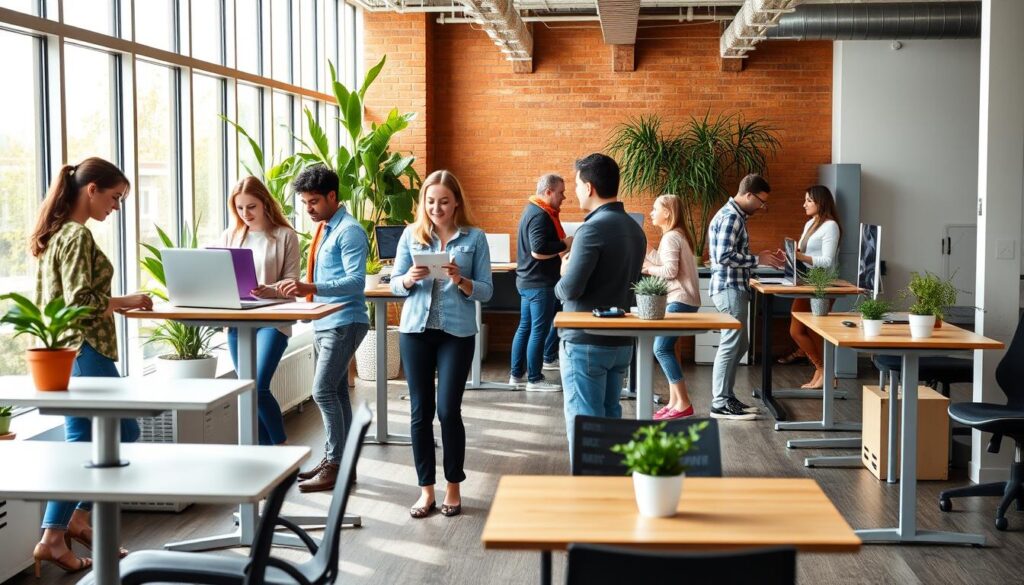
(543, 386)
(551, 365)
(517, 383)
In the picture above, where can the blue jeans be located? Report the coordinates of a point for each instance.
(78, 429)
(592, 380)
(334, 350)
(270, 347)
(536, 311)
(665, 347)
(734, 343)
(551, 343)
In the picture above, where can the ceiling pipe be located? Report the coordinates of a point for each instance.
(861, 22)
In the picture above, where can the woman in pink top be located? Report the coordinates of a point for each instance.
(673, 261)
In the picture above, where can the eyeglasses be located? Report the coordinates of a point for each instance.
(764, 204)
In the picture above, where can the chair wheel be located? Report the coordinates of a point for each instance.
(945, 504)
(1002, 524)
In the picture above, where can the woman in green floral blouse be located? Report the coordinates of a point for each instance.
(72, 267)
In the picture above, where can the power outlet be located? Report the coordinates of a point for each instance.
(1006, 249)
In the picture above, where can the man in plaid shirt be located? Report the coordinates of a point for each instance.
(731, 262)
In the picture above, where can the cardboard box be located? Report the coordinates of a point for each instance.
(932, 433)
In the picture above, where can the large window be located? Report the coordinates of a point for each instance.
(207, 31)
(250, 117)
(208, 155)
(281, 46)
(248, 35)
(95, 15)
(284, 125)
(156, 23)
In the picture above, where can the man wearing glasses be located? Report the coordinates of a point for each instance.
(731, 262)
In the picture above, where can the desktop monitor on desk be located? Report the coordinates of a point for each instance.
(869, 261)
(387, 237)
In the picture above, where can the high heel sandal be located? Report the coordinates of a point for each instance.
(67, 561)
(796, 356)
(86, 541)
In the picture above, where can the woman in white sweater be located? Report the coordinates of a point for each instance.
(818, 246)
(673, 261)
(261, 227)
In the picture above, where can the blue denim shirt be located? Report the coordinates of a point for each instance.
(468, 249)
(340, 271)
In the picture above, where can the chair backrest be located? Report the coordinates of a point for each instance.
(326, 558)
(597, 565)
(259, 554)
(1010, 370)
(594, 437)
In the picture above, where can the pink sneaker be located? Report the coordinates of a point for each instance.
(661, 412)
(674, 414)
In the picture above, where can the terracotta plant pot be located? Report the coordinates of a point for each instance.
(51, 368)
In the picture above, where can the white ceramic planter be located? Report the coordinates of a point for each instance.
(177, 369)
(921, 326)
(872, 327)
(650, 307)
(372, 281)
(657, 497)
(366, 355)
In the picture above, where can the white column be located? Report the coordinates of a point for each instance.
(1000, 190)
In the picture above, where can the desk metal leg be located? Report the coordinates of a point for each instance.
(106, 519)
(894, 392)
(907, 529)
(381, 436)
(826, 423)
(644, 377)
(475, 382)
(765, 391)
(545, 567)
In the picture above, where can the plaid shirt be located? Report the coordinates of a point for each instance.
(728, 245)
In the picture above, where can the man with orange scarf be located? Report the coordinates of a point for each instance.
(541, 241)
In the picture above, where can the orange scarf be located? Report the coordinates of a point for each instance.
(311, 264)
(552, 213)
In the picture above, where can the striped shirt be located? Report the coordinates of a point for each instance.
(729, 247)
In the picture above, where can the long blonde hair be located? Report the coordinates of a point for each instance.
(674, 205)
(422, 227)
(255, 188)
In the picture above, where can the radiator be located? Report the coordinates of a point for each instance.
(293, 381)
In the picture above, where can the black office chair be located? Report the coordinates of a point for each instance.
(259, 567)
(594, 437)
(598, 565)
(937, 372)
(1000, 420)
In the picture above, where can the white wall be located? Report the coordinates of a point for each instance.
(910, 118)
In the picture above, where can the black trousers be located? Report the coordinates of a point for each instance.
(450, 357)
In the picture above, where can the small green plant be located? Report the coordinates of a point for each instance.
(874, 309)
(6, 410)
(656, 452)
(653, 286)
(55, 325)
(820, 278)
(188, 342)
(373, 266)
(932, 294)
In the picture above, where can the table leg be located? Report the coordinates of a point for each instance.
(545, 567)
(475, 382)
(644, 377)
(106, 442)
(381, 436)
(106, 524)
(894, 392)
(826, 423)
(765, 392)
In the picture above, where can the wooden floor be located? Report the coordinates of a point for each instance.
(524, 433)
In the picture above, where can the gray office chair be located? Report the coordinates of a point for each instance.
(594, 437)
(599, 565)
(259, 567)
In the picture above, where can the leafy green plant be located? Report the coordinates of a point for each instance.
(373, 266)
(653, 451)
(698, 162)
(873, 309)
(188, 342)
(6, 410)
(932, 294)
(653, 286)
(54, 325)
(820, 278)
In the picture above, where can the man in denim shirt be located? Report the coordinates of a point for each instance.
(607, 255)
(336, 274)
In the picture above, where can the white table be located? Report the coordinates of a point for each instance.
(381, 297)
(215, 474)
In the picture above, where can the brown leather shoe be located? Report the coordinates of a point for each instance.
(304, 475)
(323, 481)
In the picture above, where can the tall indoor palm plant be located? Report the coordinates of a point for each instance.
(696, 162)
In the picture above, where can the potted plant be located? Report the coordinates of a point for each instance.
(192, 357)
(651, 297)
(820, 278)
(373, 268)
(55, 327)
(931, 297)
(872, 311)
(5, 419)
(654, 458)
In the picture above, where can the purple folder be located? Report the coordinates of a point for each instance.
(245, 271)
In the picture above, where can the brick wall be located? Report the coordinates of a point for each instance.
(498, 130)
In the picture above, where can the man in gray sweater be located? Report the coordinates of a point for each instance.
(606, 258)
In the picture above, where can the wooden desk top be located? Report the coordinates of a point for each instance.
(382, 291)
(671, 322)
(150, 393)
(503, 267)
(839, 287)
(549, 512)
(894, 335)
(165, 311)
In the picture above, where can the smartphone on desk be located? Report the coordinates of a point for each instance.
(609, 312)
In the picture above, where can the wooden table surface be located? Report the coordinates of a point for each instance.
(165, 311)
(839, 287)
(549, 512)
(672, 321)
(894, 335)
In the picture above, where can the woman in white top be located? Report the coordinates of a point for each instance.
(818, 246)
(673, 261)
(261, 227)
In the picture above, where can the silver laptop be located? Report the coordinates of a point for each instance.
(206, 279)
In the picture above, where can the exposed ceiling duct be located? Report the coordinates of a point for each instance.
(905, 20)
(501, 21)
(619, 20)
(751, 25)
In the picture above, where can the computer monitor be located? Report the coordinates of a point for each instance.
(869, 261)
(790, 272)
(638, 218)
(387, 237)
